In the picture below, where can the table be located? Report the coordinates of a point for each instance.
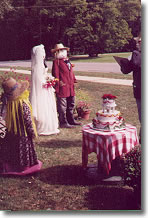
(107, 145)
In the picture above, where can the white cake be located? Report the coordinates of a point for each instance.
(108, 118)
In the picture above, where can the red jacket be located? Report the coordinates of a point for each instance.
(66, 79)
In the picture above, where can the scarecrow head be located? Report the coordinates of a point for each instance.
(60, 51)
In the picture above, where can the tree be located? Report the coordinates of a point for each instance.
(19, 31)
(86, 26)
(99, 28)
(131, 12)
(58, 18)
(115, 31)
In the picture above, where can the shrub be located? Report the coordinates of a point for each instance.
(132, 167)
(132, 171)
(82, 95)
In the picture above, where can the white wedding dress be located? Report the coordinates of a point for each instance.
(42, 99)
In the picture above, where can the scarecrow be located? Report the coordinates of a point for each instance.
(18, 155)
(65, 87)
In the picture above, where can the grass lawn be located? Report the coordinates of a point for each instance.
(102, 58)
(105, 75)
(62, 184)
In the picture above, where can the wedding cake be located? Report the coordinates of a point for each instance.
(108, 118)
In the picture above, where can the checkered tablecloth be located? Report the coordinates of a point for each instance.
(107, 145)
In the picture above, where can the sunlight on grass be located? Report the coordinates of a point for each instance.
(62, 184)
(102, 58)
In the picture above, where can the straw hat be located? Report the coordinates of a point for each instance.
(59, 46)
(14, 89)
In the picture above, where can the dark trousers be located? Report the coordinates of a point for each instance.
(138, 101)
(65, 107)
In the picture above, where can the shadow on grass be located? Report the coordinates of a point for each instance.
(76, 175)
(58, 143)
(99, 196)
(66, 175)
(110, 198)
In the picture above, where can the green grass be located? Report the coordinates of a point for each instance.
(104, 75)
(62, 184)
(93, 74)
(102, 58)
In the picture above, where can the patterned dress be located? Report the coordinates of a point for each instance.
(18, 151)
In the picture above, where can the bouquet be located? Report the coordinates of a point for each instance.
(50, 83)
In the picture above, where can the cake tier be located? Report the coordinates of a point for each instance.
(107, 117)
(107, 121)
(109, 103)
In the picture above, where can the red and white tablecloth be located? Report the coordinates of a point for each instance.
(107, 145)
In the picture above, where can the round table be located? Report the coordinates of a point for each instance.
(107, 144)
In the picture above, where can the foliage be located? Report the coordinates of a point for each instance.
(132, 169)
(82, 95)
(90, 27)
(132, 172)
(131, 12)
(95, 29)
(82, 107)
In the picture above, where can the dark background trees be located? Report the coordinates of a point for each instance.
(86, 26)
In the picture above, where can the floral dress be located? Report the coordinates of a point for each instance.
(18, 151)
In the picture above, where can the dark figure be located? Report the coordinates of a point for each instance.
(134, 65)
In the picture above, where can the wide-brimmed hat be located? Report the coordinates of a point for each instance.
(13, 89)
(59, 46)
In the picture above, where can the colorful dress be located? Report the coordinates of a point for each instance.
(18, 155)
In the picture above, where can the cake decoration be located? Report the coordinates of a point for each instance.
(108, 118)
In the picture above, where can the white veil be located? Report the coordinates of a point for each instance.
(42, 100)
(37, 76)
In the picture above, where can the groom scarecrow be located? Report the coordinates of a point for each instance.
(65, 93)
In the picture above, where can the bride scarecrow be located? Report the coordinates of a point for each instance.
(42, 96)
